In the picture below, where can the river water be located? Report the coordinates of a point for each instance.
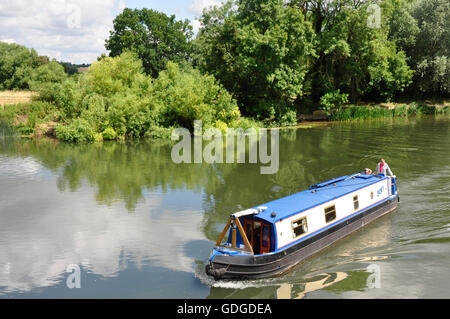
(140, 226)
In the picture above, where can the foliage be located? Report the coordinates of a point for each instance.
(431, 54)
(187, 95)
(16, 64)
(21, 68)
(154, 36)
(77, 131)
(364, 112)
(272, 58)
(333, 100)
(260, 51)
(45, 74)
(116, 100)
(353, 57)
(109, 134)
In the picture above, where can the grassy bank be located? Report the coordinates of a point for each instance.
(365, 112)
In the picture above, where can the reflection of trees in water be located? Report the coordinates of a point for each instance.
(123, 171)
(119, 172)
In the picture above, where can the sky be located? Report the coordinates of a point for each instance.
(75, 30)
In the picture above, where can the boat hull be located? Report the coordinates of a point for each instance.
(262, 266)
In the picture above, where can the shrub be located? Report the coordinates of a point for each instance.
(288, 118)
(109, 134)
(186, 95)
(116, 100)
(78, 131)
(333, 100)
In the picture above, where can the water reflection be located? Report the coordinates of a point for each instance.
(288, 291)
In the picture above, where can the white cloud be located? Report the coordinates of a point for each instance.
(197, 6)
(8, 40)
(67, 30)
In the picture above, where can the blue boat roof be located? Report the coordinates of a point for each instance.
(317, 194)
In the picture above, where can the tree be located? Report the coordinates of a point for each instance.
(352, 57)
(154, 36)
(21, 68)
(51, 72)
(261, 52)
(16, 64)
(188, 95)
(430, 56)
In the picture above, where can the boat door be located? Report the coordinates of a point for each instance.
(265, 239)
(258, 234)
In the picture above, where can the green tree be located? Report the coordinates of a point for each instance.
(154, 36)
(352, 57)
(115, 99)
(430, 56)
(16, 64)
(187, 95)
(260, 51)
(44, 74)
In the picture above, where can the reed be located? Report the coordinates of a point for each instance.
(361, 113)
(364, 112)
(6, 129)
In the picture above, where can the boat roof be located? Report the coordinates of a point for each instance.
(316, 195)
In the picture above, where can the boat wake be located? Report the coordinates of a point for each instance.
(201, 275)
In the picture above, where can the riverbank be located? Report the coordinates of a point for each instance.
(386, 110)
(39, 119)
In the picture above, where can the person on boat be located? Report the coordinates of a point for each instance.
(367, 171)
(383, 168)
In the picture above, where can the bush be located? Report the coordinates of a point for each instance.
(79, 131)
(109, 134)
(116, 100)
(333, 100)
(46, 74)
(186, 95)
(288, 118)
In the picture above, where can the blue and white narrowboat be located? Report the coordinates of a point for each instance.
(269, 239)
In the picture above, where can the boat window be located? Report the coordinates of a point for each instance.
(356, 202)
(330, 213)
(299, 227)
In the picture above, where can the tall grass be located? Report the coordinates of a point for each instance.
(6, 129)
(360, 113)
(365, 112)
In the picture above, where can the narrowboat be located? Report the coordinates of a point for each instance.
(269, 239)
